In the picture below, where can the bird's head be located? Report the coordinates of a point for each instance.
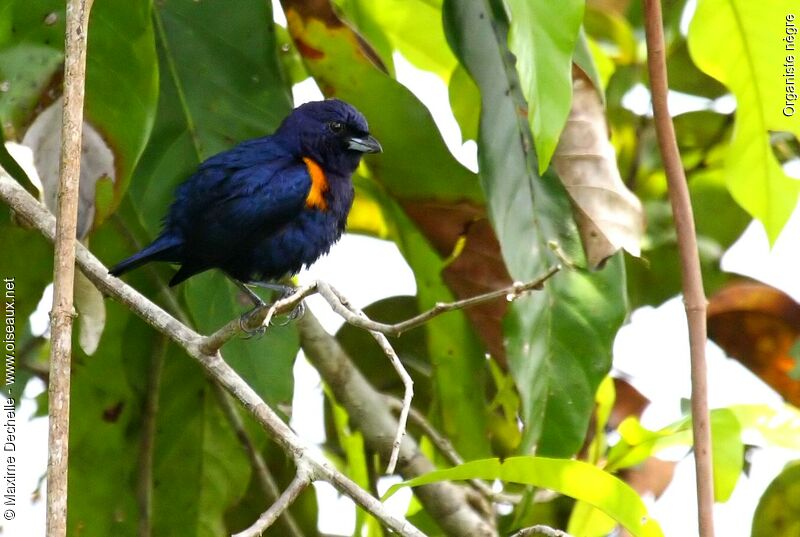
(331, 132)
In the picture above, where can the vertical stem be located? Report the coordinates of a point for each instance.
(692, 281)
(144, 482)
(64, 274)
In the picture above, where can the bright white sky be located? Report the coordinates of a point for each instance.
(651, 349)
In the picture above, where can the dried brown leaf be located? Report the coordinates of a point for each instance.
(609, 216)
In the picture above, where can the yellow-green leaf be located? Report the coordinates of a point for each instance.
(751, 65)
(542, 36)
(577, 479)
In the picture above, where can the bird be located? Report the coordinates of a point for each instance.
(269, 206)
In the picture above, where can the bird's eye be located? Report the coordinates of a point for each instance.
(335, 126)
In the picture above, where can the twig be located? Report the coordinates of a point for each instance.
(449, 504)
(691, 276)
(62, 313)
(298, 485)
(449, 452)
(342, 306)
(144, 484)
(268, 485)
(261, 316)
(540, 529)
(511, 292)
(36, 215)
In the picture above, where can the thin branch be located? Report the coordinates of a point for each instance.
(265, 479)
(449, 504)
(261, 316)
(445, 447)
(144, 482)
(342, 306)
(691, 277)
(62, 313)
(297, 486)
(37, 216)
(540, 529)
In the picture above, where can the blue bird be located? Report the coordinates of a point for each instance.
(269, 206)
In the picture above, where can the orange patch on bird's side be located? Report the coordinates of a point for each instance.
(319, 185)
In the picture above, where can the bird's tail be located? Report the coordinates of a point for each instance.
(164, 248)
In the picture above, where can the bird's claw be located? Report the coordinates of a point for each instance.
(244, 321)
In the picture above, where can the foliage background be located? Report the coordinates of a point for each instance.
(170, 84)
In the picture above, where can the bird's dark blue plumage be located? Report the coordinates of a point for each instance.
(267, 207)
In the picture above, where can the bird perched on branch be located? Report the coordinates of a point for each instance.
(269, 206)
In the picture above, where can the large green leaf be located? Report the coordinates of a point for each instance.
(543, 35)
(558, 340)
(577, 479)
(751, 64)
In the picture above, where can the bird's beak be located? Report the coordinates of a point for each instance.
(367, 144)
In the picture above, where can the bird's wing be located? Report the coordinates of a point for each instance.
(230, 208)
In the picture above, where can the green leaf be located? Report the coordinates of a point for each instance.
(577, 479)
(465, 100)
(27, 69)
(638, 443)
(777, 427)
(412, 27)
(543, 35)
(265, 363)
(684, 76)
(727, 452)
(748, 64)
(558, 340)
(227, 76)
(778, 511)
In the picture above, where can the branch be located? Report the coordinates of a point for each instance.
(693, 294)
(342, 306)
(62, 312)
(268, 485)
(297, 486)
(263, 315)
(144, 481)
(37, 216)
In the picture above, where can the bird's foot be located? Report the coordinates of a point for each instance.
(285, 291)
(245, 320)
